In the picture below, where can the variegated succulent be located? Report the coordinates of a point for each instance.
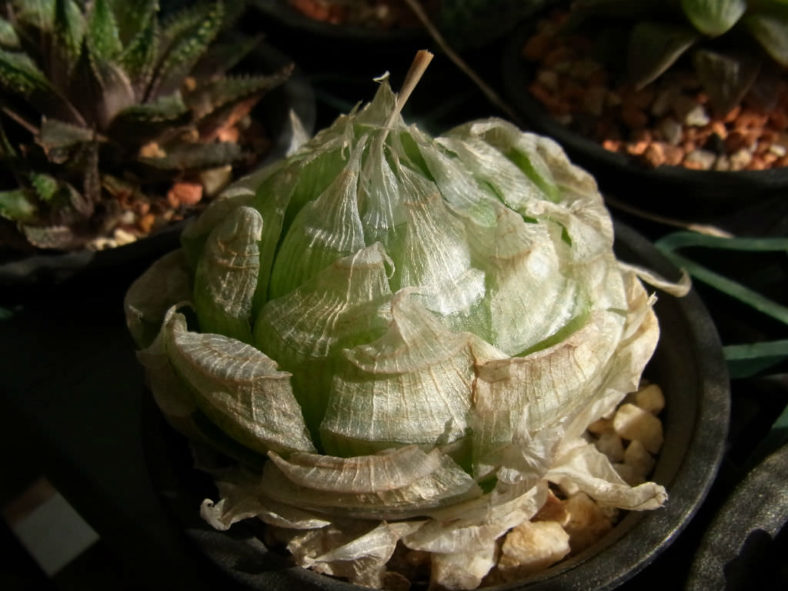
(113, 114)
(730, 43)
(402, 338)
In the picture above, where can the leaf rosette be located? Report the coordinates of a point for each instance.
(402, 339)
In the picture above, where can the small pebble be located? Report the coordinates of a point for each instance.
(632, 422)
(741, 159)
(671, 131)
(700, 159)
(697, 117)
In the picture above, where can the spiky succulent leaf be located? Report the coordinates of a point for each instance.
(20, 75)
(714, 17)
(92, 89)
(52, 237)
(726, 78)
(139, 57)
(45, 185)
(56, 134)
(230, 90)
(37, 13)
(99, 89)
(186, 40)
(8, 37)
(770, 28)
(133, 18)
(69, 30)
(195, 156)
(654, 47)
(17, 205)
(224, 55)
(140, 123)
(103, 37)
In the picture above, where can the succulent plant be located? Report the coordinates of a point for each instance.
(108, 106)
(401, 338)
(730, 42)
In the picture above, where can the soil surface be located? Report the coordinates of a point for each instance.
(669, 122)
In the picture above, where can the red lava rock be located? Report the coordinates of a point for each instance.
(184, 193)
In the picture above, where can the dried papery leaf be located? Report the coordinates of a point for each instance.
(359, 474)
(446, 485)
(654, 47)
(226, 276)
(586, 469)
(151, 295)
(242, 497)
(413, 385)
(235, 385)
(363, 559)
(333, 227)
(307, 330)
(171, 394)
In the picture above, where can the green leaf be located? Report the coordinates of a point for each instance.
(103, 37)
(654, 47)
(8, 37)
(714, 17)
(725, 78)
(226, 276)
(17, 205)
(222, 56)
(190, 38)
(37, 13)
(196, 156)
(45, 185)
(56, 134)
(133, 17)
(143, 122)
(19, 75)
(69, 30)
(228, 92)
(747, 360)
(734, 289)
(770, 28)
(139, 57)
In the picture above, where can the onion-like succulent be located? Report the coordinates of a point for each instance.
(402, 339)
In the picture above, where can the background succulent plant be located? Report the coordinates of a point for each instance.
(402, 338)
(731, 43)
(108, 108)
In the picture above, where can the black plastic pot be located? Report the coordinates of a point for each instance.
(746, 545)
(689, 366)
(742, 201)
(295, 95)
(284, 14)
